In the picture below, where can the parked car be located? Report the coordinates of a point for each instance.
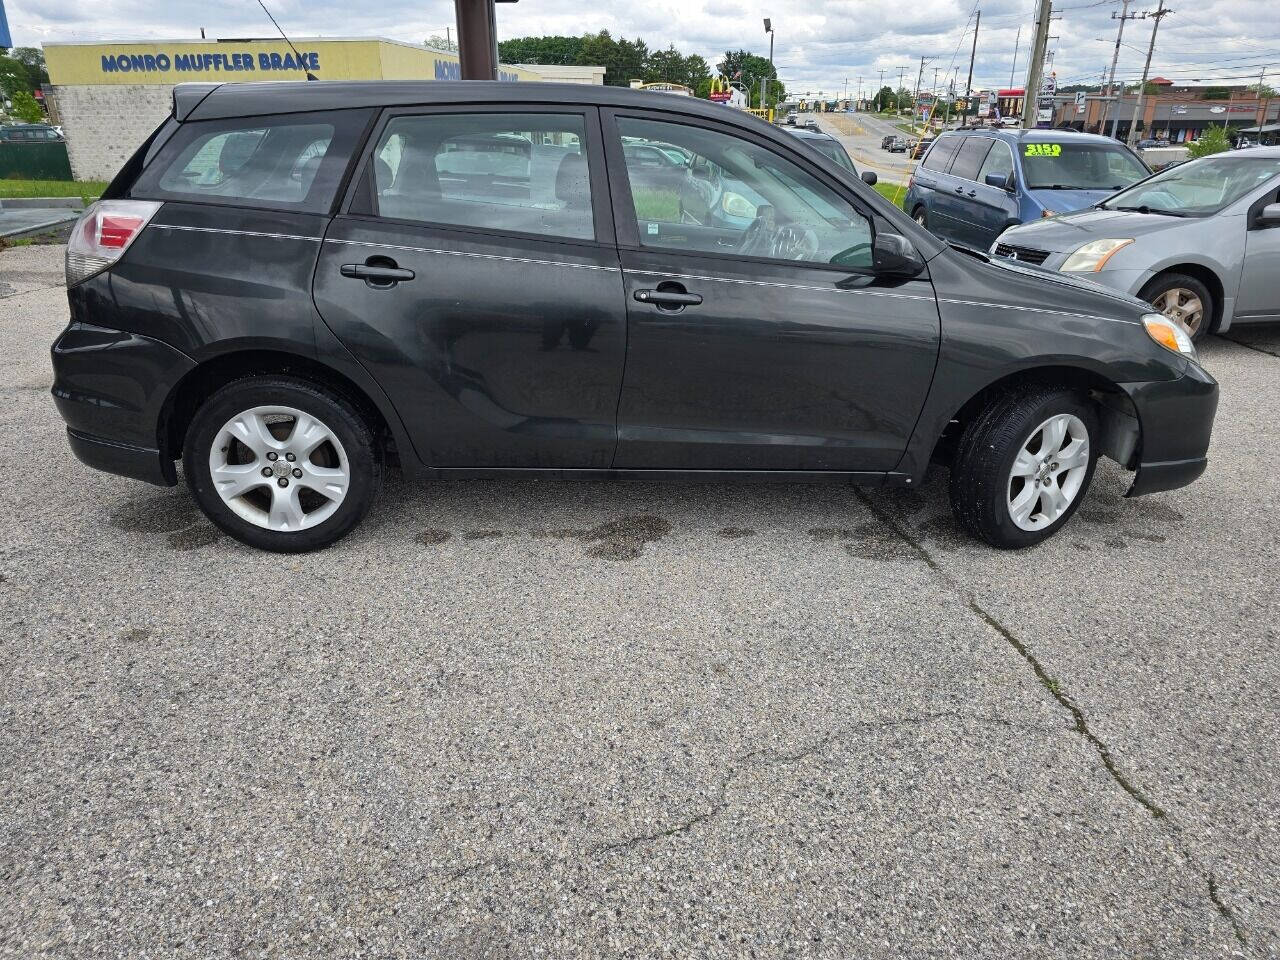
(975, 184)
(1199, 241)
(28, 133)
(829, 146)
(329, 303)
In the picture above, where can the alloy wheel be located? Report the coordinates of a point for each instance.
(279, 468)
(1048, 472)
(1182, 305)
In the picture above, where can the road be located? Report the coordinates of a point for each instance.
(540, 718)
(861, 134)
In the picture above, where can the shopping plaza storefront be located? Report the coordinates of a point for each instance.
(109, 97)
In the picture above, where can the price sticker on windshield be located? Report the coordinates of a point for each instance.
(1044, 150)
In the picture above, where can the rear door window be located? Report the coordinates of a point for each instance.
(292, 162)
(941, 154)
(969, 160)
(517, 172)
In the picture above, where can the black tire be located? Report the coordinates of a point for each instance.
(363, 456)
(1165, 282)
(921, 216)
(980, 472)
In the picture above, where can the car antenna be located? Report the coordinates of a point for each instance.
(310, 75)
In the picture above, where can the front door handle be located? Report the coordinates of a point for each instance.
(377, 272)
(668, 298)
(959, 189)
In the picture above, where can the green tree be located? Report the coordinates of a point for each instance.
(623, 60)
(747, 68)
(885, 97)
(1265, 91)
(25, 107)
(1213, 140)
(33, 59)
(437, 42)
(554, 50)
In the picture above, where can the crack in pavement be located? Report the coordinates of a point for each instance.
(768, 758)
(1250, 346)
(1047, 681)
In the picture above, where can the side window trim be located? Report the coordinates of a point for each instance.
(619, 185)
(601, 211)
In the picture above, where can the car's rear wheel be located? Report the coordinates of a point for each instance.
(1184, 299)
(921, 217)
(1024, 464)
(281, 464)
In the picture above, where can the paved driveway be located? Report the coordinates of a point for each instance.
(519, 719)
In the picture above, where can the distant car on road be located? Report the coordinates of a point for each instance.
(1199, 241)
(28, 133)
(974, 184)
(887, 142)
(811, 123)
(899, 145)
(922, 147)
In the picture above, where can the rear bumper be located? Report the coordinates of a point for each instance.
(1176, 418)
(110, 387)
(138, 463)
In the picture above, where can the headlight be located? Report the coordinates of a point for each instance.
(1169, 333)
(736, 205)
(1093, 256)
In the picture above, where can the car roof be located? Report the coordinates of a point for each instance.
(806, 133)
(1039, 135)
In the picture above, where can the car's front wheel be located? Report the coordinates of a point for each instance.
(1023, 465)
(1184, 299)
(281, 464)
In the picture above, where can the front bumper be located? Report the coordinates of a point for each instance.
(110, 387)
(1176, 419)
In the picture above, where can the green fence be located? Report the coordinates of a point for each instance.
(34, 161)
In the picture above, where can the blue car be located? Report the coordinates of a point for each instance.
(973, 185)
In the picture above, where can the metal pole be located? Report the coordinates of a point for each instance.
(1013, 69)
(1115, 56)
(1035, 69)
(477, 39)
(1159, 15)
(897, 94)
(878, 91)
(968, 87)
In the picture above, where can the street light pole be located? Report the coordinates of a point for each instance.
(764, 81)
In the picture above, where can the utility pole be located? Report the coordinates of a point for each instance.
(1159, 15)
(1035, 69)
(1262, 108)
(1013, 69)
(897, 94)
(1111, 84)
(968, 87)
(878, 90)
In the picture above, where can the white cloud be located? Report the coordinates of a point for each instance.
(818, 43)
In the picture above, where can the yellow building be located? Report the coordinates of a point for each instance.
(110, 96)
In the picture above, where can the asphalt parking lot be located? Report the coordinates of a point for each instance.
(535, 718)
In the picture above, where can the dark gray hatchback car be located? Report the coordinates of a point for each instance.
(291, 285)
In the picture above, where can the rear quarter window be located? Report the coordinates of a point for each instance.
(289, 162)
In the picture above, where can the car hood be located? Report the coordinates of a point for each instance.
(1076, 291)
(1064, 201)
(1069, 231)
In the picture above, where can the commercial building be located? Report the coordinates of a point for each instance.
(109, 97)
(1172, 112)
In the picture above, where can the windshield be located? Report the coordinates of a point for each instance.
(1079, 166)
(1198, 188)
(832, 149)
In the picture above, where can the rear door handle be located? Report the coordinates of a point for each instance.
(668, 298)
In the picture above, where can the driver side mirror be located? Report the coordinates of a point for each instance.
(1006, 183)
(1269, 216)
(869, 178)
(893, 255)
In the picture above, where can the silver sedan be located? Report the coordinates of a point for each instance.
(1199, 241)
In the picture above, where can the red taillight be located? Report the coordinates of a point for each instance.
(103, 233)
(911, 181)
(116, 231)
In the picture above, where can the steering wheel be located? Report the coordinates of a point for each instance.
(794, 243)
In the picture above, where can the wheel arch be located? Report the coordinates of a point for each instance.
(1198, 271)
(217, 371)
(1117, 414)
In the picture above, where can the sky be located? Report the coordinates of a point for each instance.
(818, 45)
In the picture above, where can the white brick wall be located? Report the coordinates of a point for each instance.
(106, 123)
